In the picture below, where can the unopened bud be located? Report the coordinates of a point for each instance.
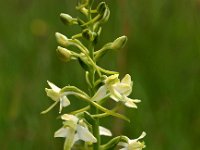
(67, 19)
(101, 7)
(64, 54)
(62, 39)
(104, 11)
(119, 42)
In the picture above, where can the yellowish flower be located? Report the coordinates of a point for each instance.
(118, 90)
(133, 144)
(54, 94)
(74, 129)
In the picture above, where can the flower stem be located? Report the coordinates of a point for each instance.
(94, 110)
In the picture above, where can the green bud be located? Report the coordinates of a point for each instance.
(62, 39)
(101, 7)
(104, 11)
(64, 54)
(67, 19)
(115, 45)
(119, 42)
(102, 17)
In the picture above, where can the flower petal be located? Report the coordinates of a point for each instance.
(131, 102)
(140, 137)
(65, 101)
(100, 94)
(52, 94)
(62, 132)
(68, 117)
(115, 95)
(125, 145)
(136, 146)
(104, 131)
(85, 135)
(112, 80)
(122, 88)
(53, 86)
(127, 80)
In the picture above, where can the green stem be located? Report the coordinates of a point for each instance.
(94, 110)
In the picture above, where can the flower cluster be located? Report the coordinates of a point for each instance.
(104, 85)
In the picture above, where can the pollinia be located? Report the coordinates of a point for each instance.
(81, 128)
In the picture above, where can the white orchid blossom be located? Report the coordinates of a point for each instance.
(75, 129)
(133, 144)
(118, 90)
(54, 94)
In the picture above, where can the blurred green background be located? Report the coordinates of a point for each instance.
(162, 55)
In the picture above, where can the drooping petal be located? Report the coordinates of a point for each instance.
(63, 102)
(104, 131)
(85, 135)
(62, 132)
(100, 94)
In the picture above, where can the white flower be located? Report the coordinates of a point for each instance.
(104, 131)
(100, 94)
(133, 144)
(54, 94)
(73, 130)
(118, 90)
